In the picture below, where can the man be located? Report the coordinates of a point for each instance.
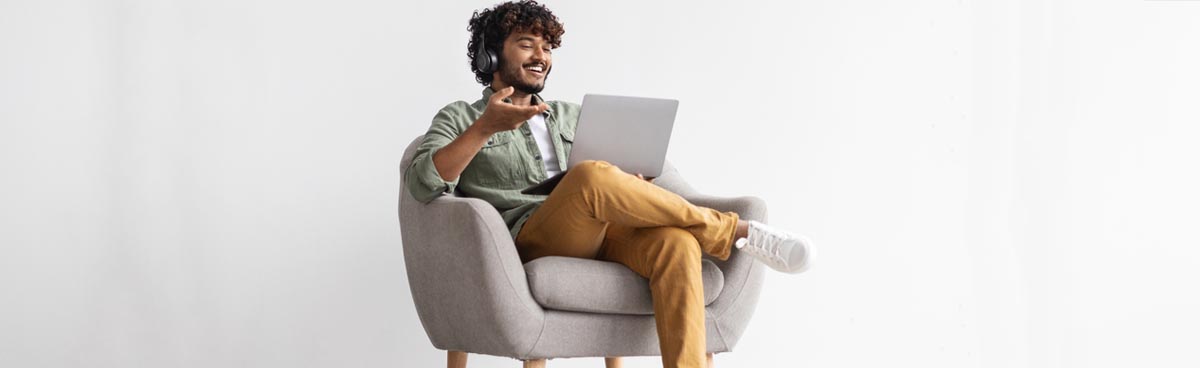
(512, 138)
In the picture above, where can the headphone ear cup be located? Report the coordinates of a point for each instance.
(486, 60)
(493, 62)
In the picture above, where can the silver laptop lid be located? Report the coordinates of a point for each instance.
(630, 132)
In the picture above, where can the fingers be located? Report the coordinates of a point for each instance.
(540, 108)
(530, 111)
(512, 110)
(502, 94)
(533, 109)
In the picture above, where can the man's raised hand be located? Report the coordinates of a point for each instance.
(500, 116)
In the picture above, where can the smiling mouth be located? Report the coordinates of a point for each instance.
(537, 70)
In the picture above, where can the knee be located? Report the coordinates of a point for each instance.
(592, 172)
(592, 167)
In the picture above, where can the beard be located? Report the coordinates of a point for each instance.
(510, 74)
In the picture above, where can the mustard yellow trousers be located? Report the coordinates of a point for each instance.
(601, 212)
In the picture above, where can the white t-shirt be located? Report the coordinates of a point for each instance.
(541, 134)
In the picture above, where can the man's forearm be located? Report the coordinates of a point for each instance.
(451, 160)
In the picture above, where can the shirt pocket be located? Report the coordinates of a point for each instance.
(497, 164)
(568, 140)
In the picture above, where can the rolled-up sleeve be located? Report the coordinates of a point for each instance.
(422, 178)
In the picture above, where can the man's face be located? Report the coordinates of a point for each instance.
(526, 62)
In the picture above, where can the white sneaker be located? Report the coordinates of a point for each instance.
(783, 251)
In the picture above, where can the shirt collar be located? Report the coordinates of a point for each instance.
(537, 99)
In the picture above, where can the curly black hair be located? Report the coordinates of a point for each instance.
(498, 22)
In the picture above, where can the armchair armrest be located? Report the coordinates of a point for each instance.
(467, 281)
(747, 207)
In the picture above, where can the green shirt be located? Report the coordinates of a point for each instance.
(509, 162)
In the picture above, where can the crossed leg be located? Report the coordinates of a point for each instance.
(595, 195)
(599, 211)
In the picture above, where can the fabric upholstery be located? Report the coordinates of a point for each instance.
(472, 293)
(585, 285)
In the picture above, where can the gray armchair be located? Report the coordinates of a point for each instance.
(473, 294)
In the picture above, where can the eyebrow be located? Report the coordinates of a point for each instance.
(523, 38)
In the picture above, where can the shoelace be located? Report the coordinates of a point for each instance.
(770, 246)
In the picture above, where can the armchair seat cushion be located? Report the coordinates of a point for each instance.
(595, 286)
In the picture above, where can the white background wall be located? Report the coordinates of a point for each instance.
(991, 183)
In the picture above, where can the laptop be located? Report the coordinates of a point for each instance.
(629, 132)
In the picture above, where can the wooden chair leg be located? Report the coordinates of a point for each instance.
(709, 359)
(612, 362)
(536, 363)
(456, 359)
